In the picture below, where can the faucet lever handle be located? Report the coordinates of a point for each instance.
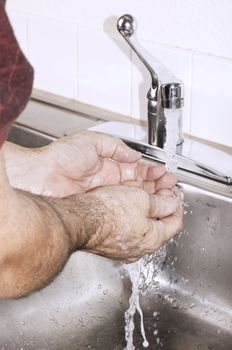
(126, 27)
(165, 93)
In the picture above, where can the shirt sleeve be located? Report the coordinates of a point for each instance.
(16, 76)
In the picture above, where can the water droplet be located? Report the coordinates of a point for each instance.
(145, 344)
(155, 332)
(175, 304)
(22, 323)
(105, 292)
(99, 286)
(166, 297)
(157, 341)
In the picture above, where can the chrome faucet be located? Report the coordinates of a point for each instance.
(165, 93)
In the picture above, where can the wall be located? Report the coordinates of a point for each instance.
(77, 53)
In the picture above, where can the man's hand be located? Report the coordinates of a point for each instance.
(38, 234)
(79, 163)
(135, 222)
(121, 222)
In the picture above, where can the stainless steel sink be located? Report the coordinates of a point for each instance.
(84, 307)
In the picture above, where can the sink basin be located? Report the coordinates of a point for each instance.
(83, 308)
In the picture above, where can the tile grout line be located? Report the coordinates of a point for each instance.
(77, 82)
(191, 94)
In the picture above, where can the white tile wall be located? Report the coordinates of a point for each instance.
(52, 51)
(211, 99)
(192, 37)
(103, 80)
(202, 26)
(198, 25)
(19, 22)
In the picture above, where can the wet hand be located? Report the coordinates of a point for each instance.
(81, 162)
(134, 223)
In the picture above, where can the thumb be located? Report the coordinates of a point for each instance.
(161, 206)
(114, 148)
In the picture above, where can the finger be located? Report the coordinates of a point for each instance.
(114, 148)
(166, 193)
(174, 223)
(161, 231)
(178, 193)
(141, 172)
(149, 172)
(168, 181)
(161, 207)
(148, 186)
(155, 172)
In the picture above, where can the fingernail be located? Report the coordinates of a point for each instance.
(160, 166)
(171, 203)
(139, 155)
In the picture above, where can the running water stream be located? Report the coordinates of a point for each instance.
(143, 272)
(172, 127)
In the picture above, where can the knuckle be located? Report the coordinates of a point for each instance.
(156, 206)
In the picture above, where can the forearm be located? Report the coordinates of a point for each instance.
(24, 167)
(16, 158)
(83, 216)
(38, 234)
(34, 244)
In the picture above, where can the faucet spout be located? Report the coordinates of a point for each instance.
(166, 91)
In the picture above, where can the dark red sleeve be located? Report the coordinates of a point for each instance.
(16, 76)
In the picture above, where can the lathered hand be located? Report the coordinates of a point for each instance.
(79, 163)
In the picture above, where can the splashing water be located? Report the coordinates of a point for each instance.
(143, 277)
(144, 272)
